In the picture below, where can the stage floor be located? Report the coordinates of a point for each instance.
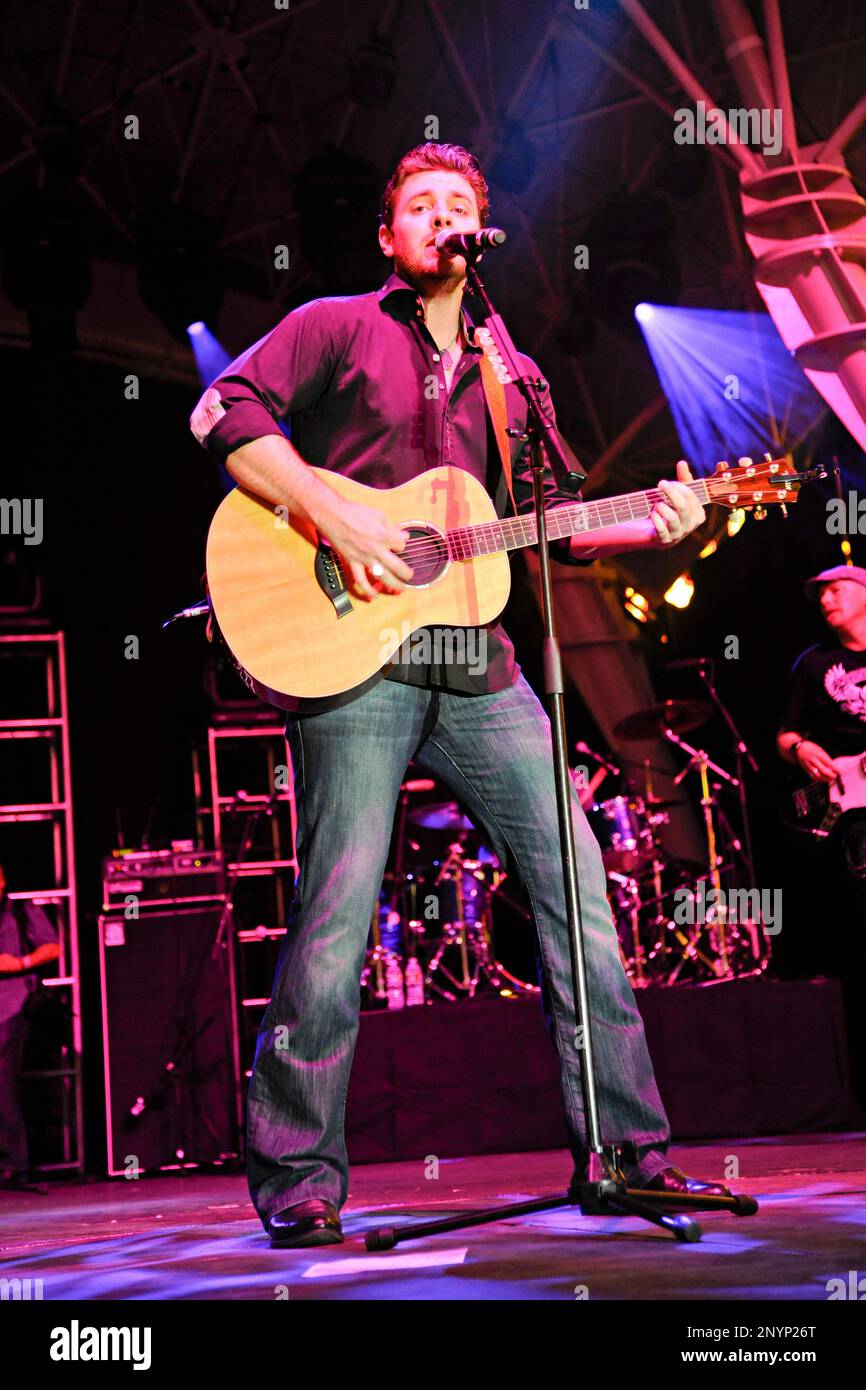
(197, 1237)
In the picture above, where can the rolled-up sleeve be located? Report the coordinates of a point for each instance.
(284, 373)
(560, 550)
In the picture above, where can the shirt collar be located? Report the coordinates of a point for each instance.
(395, 286)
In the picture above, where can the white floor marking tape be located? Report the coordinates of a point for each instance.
(422, 1259)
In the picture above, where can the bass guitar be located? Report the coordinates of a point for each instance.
(817, 807)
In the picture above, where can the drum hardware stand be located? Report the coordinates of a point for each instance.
(456, 934)
(760, 942)
(689, 951)
(706, 671)
(660, 921)
(699, 760)
(752, 938)
(724, 937)
(636, 963)
(463, 935)
(471, 936)
(741, 845)
(685, 946)
(604, 1190)
(375, 962)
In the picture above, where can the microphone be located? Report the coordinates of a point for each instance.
(469, 243)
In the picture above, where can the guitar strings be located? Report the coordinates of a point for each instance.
(605, 508)
(422, 546)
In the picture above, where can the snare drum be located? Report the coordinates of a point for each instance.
(620, 825)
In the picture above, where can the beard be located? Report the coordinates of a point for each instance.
(428, 274)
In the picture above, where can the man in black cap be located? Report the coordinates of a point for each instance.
(824, 717)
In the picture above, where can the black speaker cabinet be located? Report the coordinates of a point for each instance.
(170, 1039)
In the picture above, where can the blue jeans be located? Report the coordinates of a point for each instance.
(493, 751)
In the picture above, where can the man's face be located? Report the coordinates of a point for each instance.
(842, 602)
(425, 204)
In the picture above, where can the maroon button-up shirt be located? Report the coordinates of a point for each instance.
(361, 381)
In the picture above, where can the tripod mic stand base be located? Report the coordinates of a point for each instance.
(607, 1195)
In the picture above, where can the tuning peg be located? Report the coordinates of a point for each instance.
(768, 458)
(784, 510)
(760, 513)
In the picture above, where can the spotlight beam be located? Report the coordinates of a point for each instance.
(725, 375)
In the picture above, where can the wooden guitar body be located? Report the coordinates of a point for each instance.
(282, 603)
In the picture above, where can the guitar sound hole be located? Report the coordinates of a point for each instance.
(425, 553)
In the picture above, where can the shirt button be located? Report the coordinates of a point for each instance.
(435, 357)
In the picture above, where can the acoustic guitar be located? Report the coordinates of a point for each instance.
(296, 629)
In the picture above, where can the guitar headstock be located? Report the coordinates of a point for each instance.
(755, 486)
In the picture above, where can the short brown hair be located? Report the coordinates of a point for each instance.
(432, 155)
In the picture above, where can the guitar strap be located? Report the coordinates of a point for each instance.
(494, 394)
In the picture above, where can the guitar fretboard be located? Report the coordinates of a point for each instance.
(569, 519)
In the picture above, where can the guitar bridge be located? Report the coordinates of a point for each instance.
(833, 813)
(331, 580)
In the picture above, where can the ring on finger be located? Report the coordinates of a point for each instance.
(377, 570)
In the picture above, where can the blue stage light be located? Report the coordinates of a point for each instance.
(211, 359)
(732, 386)
(210, 356)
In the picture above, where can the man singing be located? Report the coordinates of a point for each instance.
(353, 375)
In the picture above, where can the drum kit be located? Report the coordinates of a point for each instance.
(444, 905)
(445, 902)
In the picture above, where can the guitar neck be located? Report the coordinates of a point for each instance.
(570, 519)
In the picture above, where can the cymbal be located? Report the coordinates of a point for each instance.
(418, 784)
(651, 722)
(441, 815)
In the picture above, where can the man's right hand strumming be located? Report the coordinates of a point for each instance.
(368, 544)
(814, 760)
(363, 536)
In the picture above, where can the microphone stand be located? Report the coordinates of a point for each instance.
(604, 1191)
(706, 671)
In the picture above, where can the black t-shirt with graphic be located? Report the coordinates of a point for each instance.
(826, 700)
